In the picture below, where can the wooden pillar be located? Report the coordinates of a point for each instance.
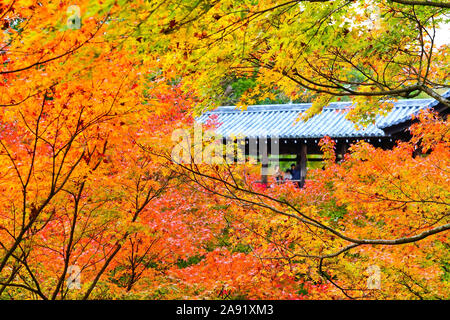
(301, 163)
(303, 154)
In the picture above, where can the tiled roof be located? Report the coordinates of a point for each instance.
(279, 120)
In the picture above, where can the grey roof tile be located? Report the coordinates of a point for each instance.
(278, 120)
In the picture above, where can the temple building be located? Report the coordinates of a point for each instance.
(300, 139)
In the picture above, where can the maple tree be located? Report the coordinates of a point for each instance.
(73, 182)
(88, 104)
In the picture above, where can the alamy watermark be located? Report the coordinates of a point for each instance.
(74, 277)
(73, 17)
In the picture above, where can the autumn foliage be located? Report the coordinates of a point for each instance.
(86, 178)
